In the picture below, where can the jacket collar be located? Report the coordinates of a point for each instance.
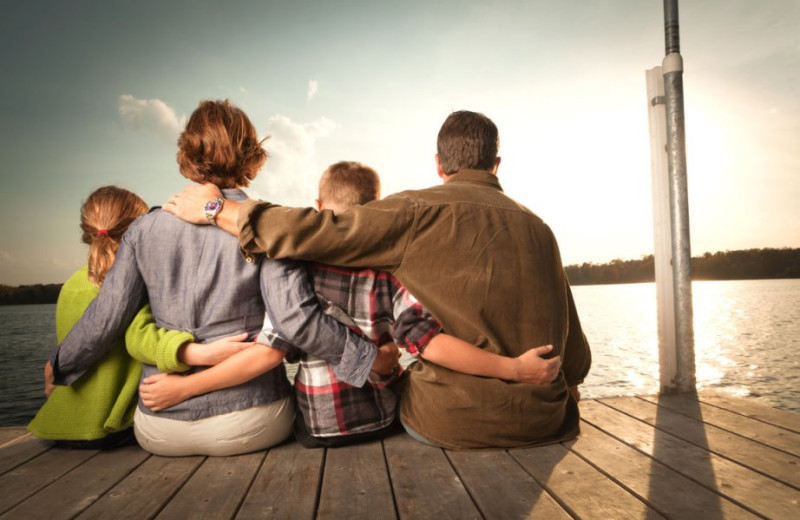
(482, 177)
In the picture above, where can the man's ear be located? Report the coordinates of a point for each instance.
(496, 165)
(439, 170)
(318, 204)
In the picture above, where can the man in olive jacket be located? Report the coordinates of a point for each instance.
(485, 266)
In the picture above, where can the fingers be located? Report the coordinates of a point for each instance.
(169, 207)
(544, 349)
(149, 399)
(153, 379)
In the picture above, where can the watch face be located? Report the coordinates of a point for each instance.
(213, 206)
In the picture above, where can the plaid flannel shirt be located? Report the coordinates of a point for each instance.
(375, 305)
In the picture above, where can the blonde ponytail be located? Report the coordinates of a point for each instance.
(105, 216)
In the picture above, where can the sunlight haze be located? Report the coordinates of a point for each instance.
(96, 93)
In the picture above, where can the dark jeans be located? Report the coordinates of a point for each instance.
(110, 441)
(309, 441)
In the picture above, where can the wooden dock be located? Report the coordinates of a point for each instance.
(678, 457)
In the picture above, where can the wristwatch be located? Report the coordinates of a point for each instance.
(212, 209)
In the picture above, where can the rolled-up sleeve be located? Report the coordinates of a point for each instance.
(414, 326)
(296, 316)
(105, 320)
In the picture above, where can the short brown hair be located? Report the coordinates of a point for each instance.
(220, 145)
(105, 216)
(349, 183)
(467, 140)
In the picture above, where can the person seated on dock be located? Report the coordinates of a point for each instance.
(97, 412)
(196, 281)
(485, 266)
(330, 411)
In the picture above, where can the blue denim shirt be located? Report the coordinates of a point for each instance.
(196, 280)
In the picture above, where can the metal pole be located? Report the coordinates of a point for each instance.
(672, 68)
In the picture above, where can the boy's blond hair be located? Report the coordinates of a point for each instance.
(348, 183)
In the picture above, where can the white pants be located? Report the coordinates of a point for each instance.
(242, 431)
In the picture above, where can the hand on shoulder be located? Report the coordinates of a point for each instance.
(189, 204)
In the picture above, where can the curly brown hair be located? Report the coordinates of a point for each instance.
(220, 146)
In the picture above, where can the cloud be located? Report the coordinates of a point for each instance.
(151, 115)
(5, 256)
(313, 87)
(292, 171)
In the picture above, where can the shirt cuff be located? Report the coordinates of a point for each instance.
(356, 362)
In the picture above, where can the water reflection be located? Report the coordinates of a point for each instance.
(747, 335)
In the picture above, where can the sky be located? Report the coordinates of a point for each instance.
(96, 93)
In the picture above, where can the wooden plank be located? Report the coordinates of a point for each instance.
(425, 484)
(501, 488)
(12, 434)
(755, 410)
(768, 434)
(286, 486)
(21, 452)
(760, 494)
(26, 479)
(216, 489)
(664, 489)
(356, 484)
(579, 487)
(769, 461)
(78, 489)
(143, 493)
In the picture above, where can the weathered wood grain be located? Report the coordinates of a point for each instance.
(12, 434)
(738, 483)
(144, 492)
(676, 457)
(356, 484)
(425, 484)
(81, 487)
(775, 436)
(777, 464)
(583, 490)
(754, 410)
(501, 488)
(25, 480)
(286, 485)
(18, 453)
(216, 489)
(664, 489)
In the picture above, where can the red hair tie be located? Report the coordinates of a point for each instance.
(102, 232)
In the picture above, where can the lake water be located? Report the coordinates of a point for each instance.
(747, 337)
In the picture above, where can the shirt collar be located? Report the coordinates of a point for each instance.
(234, 194)
(483, 177)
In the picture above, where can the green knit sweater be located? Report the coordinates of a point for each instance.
(104, 399)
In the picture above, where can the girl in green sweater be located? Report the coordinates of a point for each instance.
(97, 411)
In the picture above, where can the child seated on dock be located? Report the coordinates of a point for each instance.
(98, 411)
(374, 303)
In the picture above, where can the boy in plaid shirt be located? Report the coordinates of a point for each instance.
(374, 304)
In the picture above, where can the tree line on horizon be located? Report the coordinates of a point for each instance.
(749, 264)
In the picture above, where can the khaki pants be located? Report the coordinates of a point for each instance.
(242, 431)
